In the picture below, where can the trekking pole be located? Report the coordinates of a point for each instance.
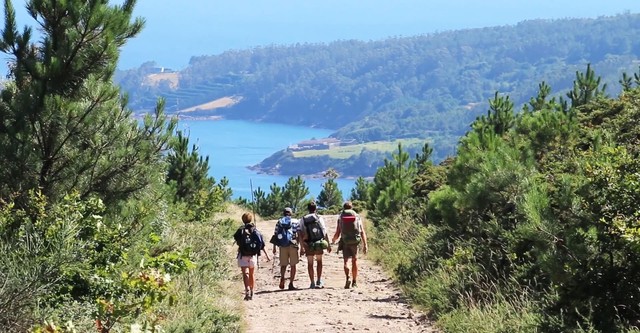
(253, 211)
(253, 201)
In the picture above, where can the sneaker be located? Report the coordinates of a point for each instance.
(247, 296)
(319, 284)
(291, 287)
(354, 284)
(312, 286)
(281, 283)
(347, 285)
(251, 295)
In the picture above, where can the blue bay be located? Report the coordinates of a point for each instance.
(233, 146)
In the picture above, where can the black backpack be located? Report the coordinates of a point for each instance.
(313, 228)
(249, 241)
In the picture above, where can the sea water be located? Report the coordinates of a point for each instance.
(234, 145)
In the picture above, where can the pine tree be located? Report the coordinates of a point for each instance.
(361, 190)
(188, 172)
(294, 192)
(392, 185)
(586, 87)
(63, 124)
(330, 195)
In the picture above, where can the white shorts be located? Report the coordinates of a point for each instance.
(248, 261)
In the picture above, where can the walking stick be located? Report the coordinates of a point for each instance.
(253, 211)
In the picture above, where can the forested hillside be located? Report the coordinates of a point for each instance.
(398, 87)
(109, 223)
(532, 227)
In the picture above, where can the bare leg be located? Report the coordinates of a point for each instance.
(310, 268)
(252, 278)
(346, 273)
(293, 273)
(354, 268)
(346, 268)
(319, 266)
(245, 277)
(283, 269)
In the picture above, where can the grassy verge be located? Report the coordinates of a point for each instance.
(343, 152)
(204, 299)
(437, 286)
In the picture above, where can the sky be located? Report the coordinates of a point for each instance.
(176, 30)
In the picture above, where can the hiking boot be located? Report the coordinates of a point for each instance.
(354, 284)
(291, 287)
(347, 285)
(319, 284)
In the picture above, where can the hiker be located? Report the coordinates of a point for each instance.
(315, 240)
(350, 229)
(286, 237)
(250, 244)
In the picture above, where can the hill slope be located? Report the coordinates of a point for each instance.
(428, 86)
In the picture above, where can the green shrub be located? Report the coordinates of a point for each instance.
(202, 299)
(516, 312)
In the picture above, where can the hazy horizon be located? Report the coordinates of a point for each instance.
(176, 31)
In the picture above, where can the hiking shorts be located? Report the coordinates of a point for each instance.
(289, 256)
(248, 261)
(314, 253)
(349, 250)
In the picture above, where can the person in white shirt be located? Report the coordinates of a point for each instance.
(315, 241)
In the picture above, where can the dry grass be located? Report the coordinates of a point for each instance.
(208, 298)
(344, 152)
(218, 103)
(155, 79)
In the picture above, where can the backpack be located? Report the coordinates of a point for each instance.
(350, 232)
(284, 234)
(313, 229)
(249, 241)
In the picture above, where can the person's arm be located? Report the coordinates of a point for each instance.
(301, 239)
(338, 232)
(363, 236)
(326, 235)
(263, 246)
(275, 232)
(265, 254)
(304, 237)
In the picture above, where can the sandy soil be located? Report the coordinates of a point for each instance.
(218, 103)
(375, 306)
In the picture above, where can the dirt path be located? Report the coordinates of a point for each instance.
(375, 306)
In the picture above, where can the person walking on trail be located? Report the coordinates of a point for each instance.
(285, 237)
(315, 241)
(250, 244)
(351, 231)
